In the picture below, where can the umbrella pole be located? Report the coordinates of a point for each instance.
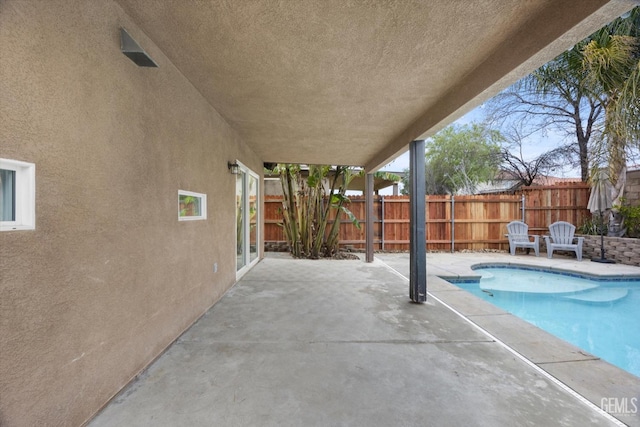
(602, 259)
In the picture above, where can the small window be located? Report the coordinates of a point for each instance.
(191, 206)
(17, 195)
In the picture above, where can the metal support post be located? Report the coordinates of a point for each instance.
(417, 224)
(368, 188)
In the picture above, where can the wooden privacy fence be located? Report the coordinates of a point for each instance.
(452, 222)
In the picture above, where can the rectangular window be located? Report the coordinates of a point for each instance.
(17, 195)
(8, 191)
(191, 206)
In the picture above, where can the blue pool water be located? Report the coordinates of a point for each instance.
(601, 317)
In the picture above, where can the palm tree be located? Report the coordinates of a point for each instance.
(611, 58)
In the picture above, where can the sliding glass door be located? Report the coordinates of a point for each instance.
(247, 219)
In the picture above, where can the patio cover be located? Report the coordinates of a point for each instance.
(354, 82)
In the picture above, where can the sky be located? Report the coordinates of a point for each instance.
(402, 162)
(533, 147)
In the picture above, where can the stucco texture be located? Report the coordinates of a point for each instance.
(109, 277)
(353, 82)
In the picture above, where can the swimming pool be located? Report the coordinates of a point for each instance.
(601, 316)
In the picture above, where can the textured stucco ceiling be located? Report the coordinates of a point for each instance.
(353, 82)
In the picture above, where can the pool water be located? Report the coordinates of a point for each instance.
(601, 317)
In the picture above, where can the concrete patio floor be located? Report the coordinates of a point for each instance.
(337, 343)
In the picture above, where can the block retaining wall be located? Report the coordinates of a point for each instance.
(623, 250)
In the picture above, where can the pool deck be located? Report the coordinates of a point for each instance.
(301, 342)
(587, 375)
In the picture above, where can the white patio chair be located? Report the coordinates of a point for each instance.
(561, 238)
(519, 237)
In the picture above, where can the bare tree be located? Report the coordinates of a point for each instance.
(526, 171)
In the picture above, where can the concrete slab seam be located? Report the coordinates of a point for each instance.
(537, 368)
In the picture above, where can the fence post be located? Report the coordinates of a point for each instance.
(523, 218)
(453, 224)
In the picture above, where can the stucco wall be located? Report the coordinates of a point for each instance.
(109, 277)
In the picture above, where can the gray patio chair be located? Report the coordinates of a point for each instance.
(561, 238)
(519, 237)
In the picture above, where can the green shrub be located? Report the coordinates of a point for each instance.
(631, 215)
(591, 226)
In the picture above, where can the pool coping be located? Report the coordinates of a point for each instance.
(594, 379)
(555, 270)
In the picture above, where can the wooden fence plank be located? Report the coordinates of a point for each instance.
(479, 221)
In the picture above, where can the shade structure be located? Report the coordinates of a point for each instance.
(600, 201)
